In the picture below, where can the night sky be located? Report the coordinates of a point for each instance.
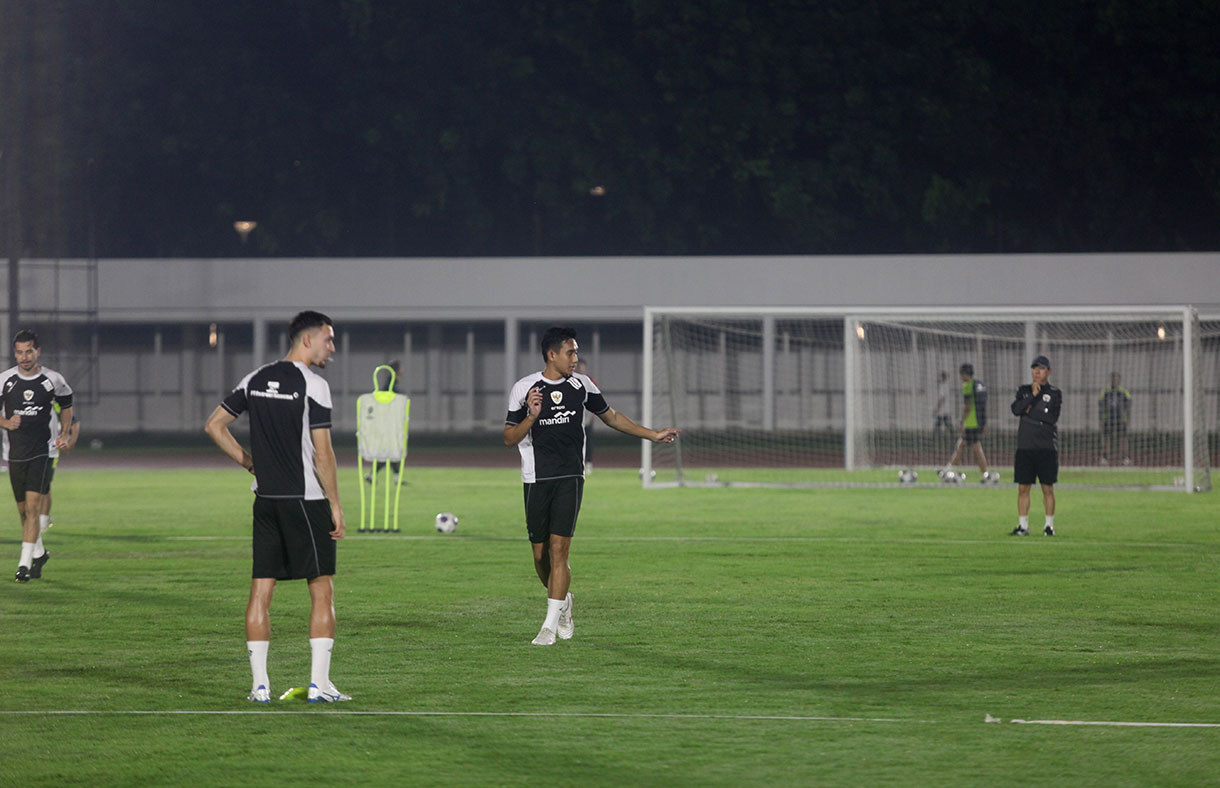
(377, 128)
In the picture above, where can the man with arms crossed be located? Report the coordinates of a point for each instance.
(28, 394)
(546, 423)
(297, 517)
(1037, 405)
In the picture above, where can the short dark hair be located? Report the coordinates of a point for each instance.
(967, 369)
(307, 321)
(26, 335)
(553, 339)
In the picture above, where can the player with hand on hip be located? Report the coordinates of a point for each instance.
(297, 517)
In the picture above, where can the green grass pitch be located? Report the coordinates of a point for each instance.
(723, 637)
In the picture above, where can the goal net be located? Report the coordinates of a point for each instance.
(806, 397)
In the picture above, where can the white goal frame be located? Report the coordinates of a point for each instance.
(1184, 316)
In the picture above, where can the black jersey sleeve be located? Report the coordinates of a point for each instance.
(596, 403)
(235, 403)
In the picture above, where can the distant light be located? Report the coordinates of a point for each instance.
(1160, 331)
(244, 228)
(598, 191)
(212, 336)
(859, 330)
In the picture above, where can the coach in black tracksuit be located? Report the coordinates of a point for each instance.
(1037, 405)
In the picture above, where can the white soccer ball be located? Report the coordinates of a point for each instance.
(908, 476)
(951, 477)
(991, 477)
(651, 474)
(446, 522)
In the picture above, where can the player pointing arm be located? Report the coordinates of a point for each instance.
(619, 421)
(546, 423)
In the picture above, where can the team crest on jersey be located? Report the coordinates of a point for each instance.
(1046, 397)
(575, 382)
(557, 397)
(28, 395)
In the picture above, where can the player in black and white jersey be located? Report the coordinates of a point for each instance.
(297, 516)
(28, 394)
(546, 423)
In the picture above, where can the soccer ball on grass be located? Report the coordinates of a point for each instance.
(908, 476)
(446, 522)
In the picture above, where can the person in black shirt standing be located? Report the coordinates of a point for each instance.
(1037, 404)
(297, 516)
(546, 423)
(1113, 412)
(29, 393)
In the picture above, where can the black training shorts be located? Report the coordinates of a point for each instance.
(31, 476)
(1036, 464)
(292, 538)
(970, 435)
(552, 506)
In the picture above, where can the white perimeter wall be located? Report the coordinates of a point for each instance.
(150, 289)
(490, 302)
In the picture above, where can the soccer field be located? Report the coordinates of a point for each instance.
(723, 637)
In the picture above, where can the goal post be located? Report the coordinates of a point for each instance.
(826, 396)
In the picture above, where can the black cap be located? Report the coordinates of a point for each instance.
(966, 369)
(1041, 361)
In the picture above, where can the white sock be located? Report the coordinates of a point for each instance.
(39, 550)
(27, 554)
(1050, 520)
(258, 662)
(44, 522)
(553, 606)
(320, 674)
(1023, 522)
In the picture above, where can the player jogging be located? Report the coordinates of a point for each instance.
(28, 394)
(1037, 404)
(297, 517)
(546, 423)
(973, 421)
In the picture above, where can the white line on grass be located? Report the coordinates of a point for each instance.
(576, 714)
(1121, 724)
(541, 714)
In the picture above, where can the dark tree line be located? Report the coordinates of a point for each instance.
(375, 127)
